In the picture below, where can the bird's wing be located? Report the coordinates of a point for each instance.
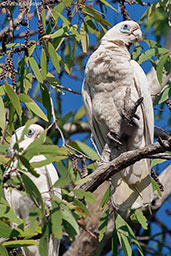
(138, 194)
(143, 89)
(94, 126)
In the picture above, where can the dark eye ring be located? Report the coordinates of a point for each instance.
(30, 133)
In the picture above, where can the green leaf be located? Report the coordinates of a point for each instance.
(102, 226)
(32, 105)
(160, 65)
(46, 101)
(80, 113)
(81, 194)
(114, 244)
(35, 69)
(82, 181)
(152, 52)
(84, 37)
(28, 166)
(52, 80)
(33, 230)
(156, 187)
(141, 218)
(20, 243)
(43, 245)
(3, 251)
(72, 226)
(43, 64)
(6, 231)
(85, 149)
(88, 10)
(76, 204)
(14, 99)
(164, 95)
(33, 191)
(48, 150)
(47, 161)
(2, 119)
(56, 220)
(8, 213)
(63, 181)
(60, 32)
(108, 4)
(67, 3)
(126, 235)
(54, 57)
(106, 197)
(27, 82)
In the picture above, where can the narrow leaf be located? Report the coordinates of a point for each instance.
(80, 113)
(43, 64)
(54, 57)
(160, 65)
(14, 99)
(20, 243)
(73, 227)
(32, 105)
(7, 212)
(108, 4)
(33, 191)
(56, 220)
(156, 187)
(3, 251)
(6, 231)
(141, 218)
(81, 194)
(35, 69)
(85, 149)
(164, 95)
(106, 197)
(102, 226)
(2, 119)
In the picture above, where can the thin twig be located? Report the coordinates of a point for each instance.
(58, 86)
(94, 145)
(16, 22)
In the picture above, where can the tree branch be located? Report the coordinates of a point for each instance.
(16, 22)
(126, 159)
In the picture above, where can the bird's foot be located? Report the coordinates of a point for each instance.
(114, 137)
(129, 111)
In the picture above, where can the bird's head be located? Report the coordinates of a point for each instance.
(126, 32)
(33, 132)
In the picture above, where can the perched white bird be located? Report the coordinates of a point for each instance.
(48, 176)
(112, 86)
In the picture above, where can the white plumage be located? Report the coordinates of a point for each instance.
(110, 74)
(48, 176)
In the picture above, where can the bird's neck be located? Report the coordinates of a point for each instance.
(116, 45)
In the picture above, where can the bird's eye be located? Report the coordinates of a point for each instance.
(30, 133)
(125, 28)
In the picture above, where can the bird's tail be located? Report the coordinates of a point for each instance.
(129, 195)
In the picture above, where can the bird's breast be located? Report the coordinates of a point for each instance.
(105, 70)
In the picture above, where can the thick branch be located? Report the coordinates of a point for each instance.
(126, 159)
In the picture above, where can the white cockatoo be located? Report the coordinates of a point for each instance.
(48, 176)
(115, 86)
